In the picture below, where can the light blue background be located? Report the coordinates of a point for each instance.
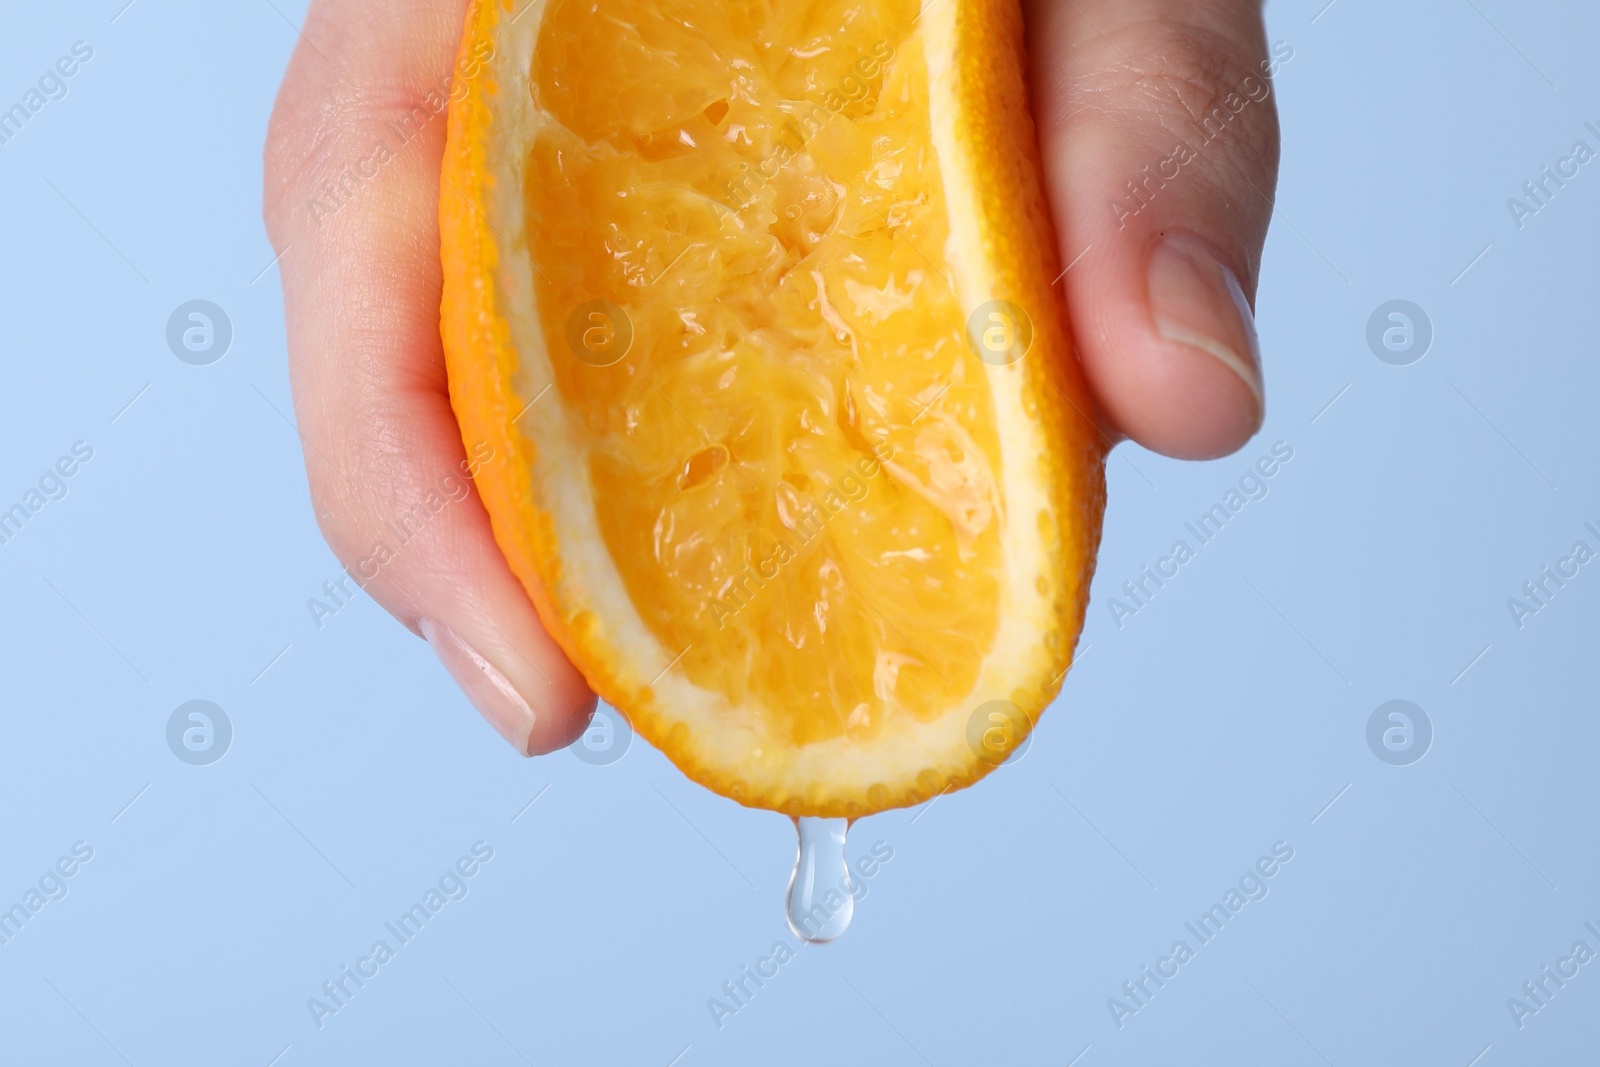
(1222, 718)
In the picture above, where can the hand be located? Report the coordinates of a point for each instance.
(1159, 132)
(1159, 302)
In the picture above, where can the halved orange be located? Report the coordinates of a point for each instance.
(752, 300)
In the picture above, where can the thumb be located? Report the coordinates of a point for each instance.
(1158, 130)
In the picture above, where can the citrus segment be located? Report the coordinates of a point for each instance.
(756, 298)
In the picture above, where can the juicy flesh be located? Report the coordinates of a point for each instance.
(794, 462)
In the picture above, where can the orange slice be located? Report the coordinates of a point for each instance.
(752, 301)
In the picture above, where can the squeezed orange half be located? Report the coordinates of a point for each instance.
(752, 301)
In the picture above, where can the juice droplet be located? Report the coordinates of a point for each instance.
(820, 903)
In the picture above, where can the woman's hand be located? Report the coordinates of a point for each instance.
(1159, 137)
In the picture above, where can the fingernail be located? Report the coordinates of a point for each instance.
(1197, 302)
(490, 691)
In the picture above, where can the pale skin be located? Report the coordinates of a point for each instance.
(1161, 303)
